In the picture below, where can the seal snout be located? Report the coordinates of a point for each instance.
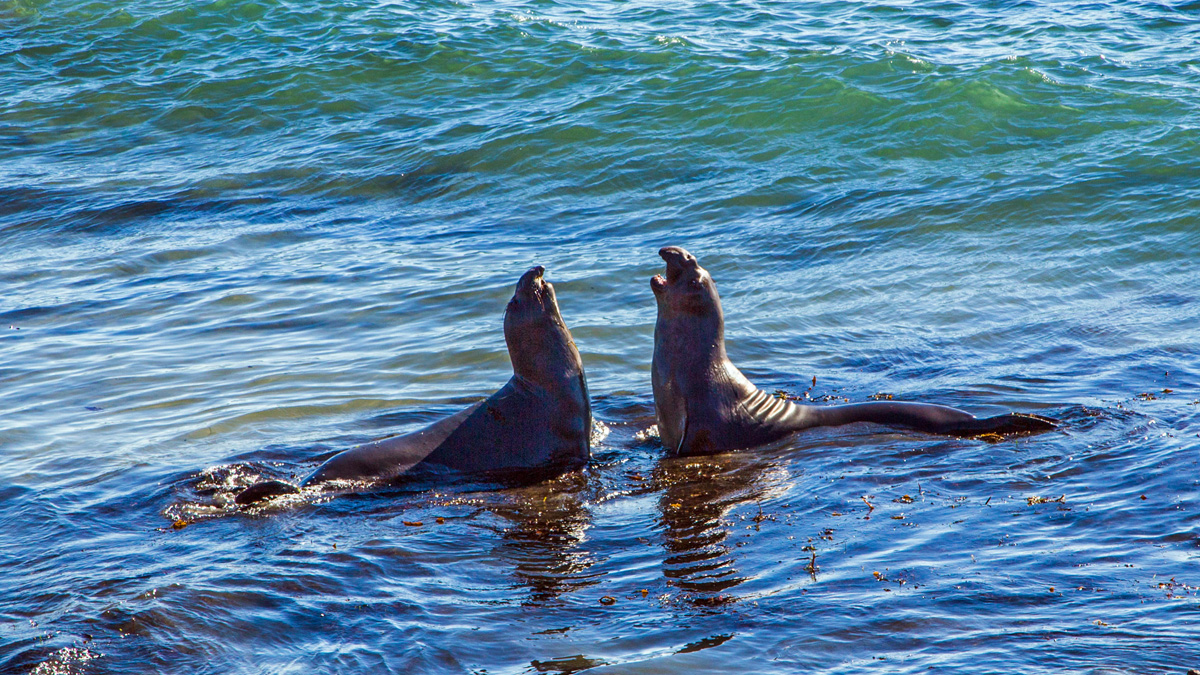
(531, 280)
(678, 261)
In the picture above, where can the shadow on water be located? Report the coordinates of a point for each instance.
(566, 664)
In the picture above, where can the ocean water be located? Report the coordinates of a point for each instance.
(238, 236)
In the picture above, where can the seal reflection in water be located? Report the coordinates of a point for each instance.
(539, 424)
(705, 405)
(698, 493)
(543, 537)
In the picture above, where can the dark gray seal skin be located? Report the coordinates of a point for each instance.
(705, 405)
(540, 421)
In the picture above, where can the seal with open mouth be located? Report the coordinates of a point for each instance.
(705, 405)
(541, 420)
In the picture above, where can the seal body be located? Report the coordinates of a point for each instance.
(705, 405)
(540, 420)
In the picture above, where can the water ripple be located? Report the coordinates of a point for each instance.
(239, 236)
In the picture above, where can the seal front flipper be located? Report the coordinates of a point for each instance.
(683, 436)
(265, 490)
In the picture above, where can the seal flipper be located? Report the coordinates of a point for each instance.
(683, 434)
(695, 440)
(1007, 424)
(934, 419)
(265, 490)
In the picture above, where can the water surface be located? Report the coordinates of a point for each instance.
(239, 236)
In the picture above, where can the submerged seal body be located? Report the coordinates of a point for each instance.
(705, 405)
(540, 420)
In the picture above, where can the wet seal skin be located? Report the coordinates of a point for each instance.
(539, 422)
(705, 405)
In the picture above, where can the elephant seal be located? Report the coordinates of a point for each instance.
(541, 420)
(705, 405)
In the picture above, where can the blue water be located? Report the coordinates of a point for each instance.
(238, 236)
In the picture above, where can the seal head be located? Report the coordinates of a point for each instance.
(539, 344)
(688, 304)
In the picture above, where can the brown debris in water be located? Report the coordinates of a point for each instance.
(1173, 588)
(761, 517)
